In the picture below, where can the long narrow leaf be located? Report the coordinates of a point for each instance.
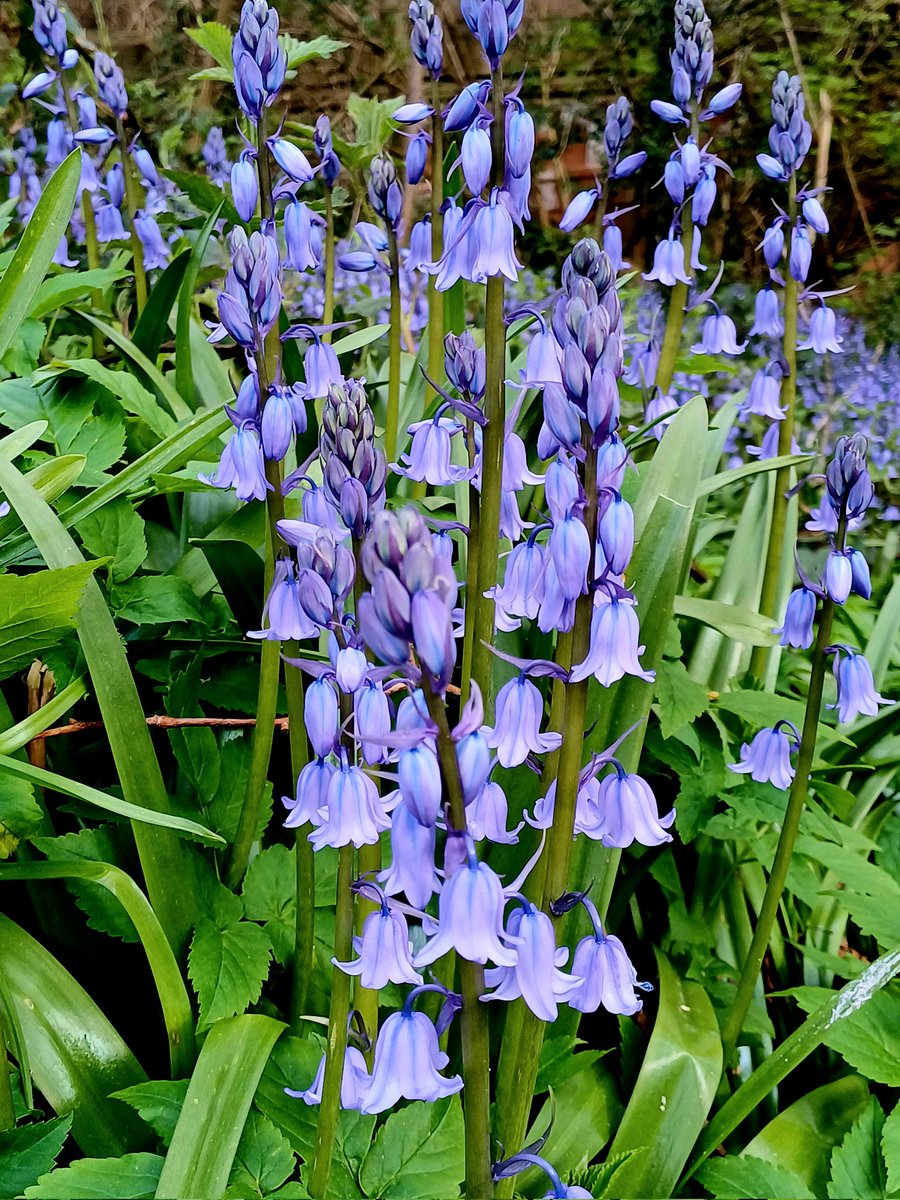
(184, 375)
(179, 410)
(170, 987)
(20, 735)
(153, 322)
(212, 1118)
(164, 856)
(76, 1056)
(36, 248)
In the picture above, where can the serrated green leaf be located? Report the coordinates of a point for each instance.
(270, 896)
(101, 441)
(37, 245)
(35, 610)
(227, 967)
(890, 1148)
(263, 1162)
(225, 806)
(116, 533)
(21, 358)
(58, 290)
(215, 39)
(857, 1165)
(298, 53)
(743, 1177)
(131, 1177)
(159, 1103)
(417, 1152)
(293, 1065)
(20, 813)
(681, 699)
(28, 1152)
(133, 398)
(100, 844)
(868, 1039)
(155, 600)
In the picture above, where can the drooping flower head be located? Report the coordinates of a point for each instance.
(110, 84)
(426, 37)
(259, 60)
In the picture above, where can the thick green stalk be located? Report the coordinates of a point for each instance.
(338, 1015)
(759, 660)
(92, 246)
(304, 919)
(436, 298)
(471, 571)
(791, 824)
(671, 344)
(392, 424)
(131, 203)
(521, 1051)
(492, 438)
(328, 313)
(476, 1051)
(7, 1106)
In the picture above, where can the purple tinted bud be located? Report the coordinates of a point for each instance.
(773, 245)
(245, 186)
(50, 29)
(373, 722)
(493, 30)
(115, 184)
(463, 110)
(768, 757)
(419, 778)
(38, 85)
(146, 167)
(704, 196)
(799, 619)
(156, 252)
(411, 114)
(277, 425)
(838, 576)
(570, 550)
(464, 363)
(110, 84)
(770, 166)
(474, 758)
(616, 531)
(58, 143)
(862, 580)
(291, 159)
(476, 157)
(628, 165)
(416, 158)
(801, 253)
(259, 59)
(96, 136)
(814, 215)
(433, 636)
(519, 137)
(320, 715)
(670, 113)
(673, 178)
(579, 209)
(725, 98)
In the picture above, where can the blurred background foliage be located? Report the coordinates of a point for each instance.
(576, 56)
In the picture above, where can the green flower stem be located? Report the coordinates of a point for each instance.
(7, 1106)
(392, 423)
(304, 919)
(338, 1015)
(521, 1050)
(131, 203)
(671, 345)
(436, 298)
(471, 571)
(791, 824)
(759, 659)
(473, 1017)
(90, 226)
(492, 439)
(328, 313)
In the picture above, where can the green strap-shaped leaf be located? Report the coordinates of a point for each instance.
(184, 375)
(674, 1090)
(164, 856)
(215, 1109)
(176, 405)
(76, 1056)
(153, 323)
(173, 995)
(36, 247)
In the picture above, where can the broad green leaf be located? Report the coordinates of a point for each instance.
(760, 708)
(162, 383)
(360, 338)
(869, 1039)
(153, 323)
(215, 39)
(77, 1058)
(159, 1103)
(417, 1152)
(857, 1164)
(35, 610)
(890, 1148)
(22, 357)
(739, 624)
(20, 440)
(55, 476)
(215, 1110)
(674, 1090)
(587, 1108)
(131, 395)
(98, 844)
(293, 1064)
(264, 1160)
(713, 483)
(58, 290)
(680, 699)
(115, 532)
(228, 965)
(122, 808)
(20, 814)
(155, 600)
(300, 52)
(270, 896)
(743, 1177)
(176, 1008)
(801, 1138)
(882, 647)
(130, 1177)
(37, 245)
(184, 375)
(30, 1151)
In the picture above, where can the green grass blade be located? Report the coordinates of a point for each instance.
(36, 248)
(153, 323)
(674, 1090)
(177, 407)
(173, 996)
(20, 735)
(714, 483)
(184, 374)
(164, 857)
(122, 808)
(221, 1091)
(77, 1058)
(881, 647)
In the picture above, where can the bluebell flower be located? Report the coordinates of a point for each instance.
(354, 814)
(536, 976)
(408, 1062)
(373, 722)
(354, 1082)
(799, 619)
(242, 466)
(801, 253)
(491, 238)
(614, 648)
(473, 756)
(428, 458)
(517, 723)
(109, 224)
(670, 113)
(814, 215)
(659, 406)
(470, 912)
(215, 156)
(245, 185)
(385, 193)
(822, 336)
(350, 665)
(612, 244)
(773, 245)
(838, 576)
(628, 811)
(570, 550)
(725, 98)
(156, 252)
(321, 368)
(320, 715)
(764, 393)
(616, 533)
(856, 694)
(284, 618)
(668, 262)
(419, 777)
(524, 1160)
(311, 795)
(476, 156)
(704, 196)
(579, 209)
(110, 84)
(277, 424)
(768, 757)
(461, 111)
(519, 137)
(520, 594)
(49, 29)
(291, 159)
(416, 157)
(412, 870)
(718, 335)
(862, 581)
(768, 321)
(426, 36)
(384, 949)
(607, 978)
(487, 815)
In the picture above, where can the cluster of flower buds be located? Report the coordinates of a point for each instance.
(495, 23)
(329, 163)
(110, 84)
(215, 157)
(251, 300)
(259, 60)
(791, 134)
(51, 34)
(848, 494)
(427, 37)
(354, 470)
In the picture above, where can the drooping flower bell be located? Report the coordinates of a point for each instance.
(536, 976)
(408, 1061)
(768, 757)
